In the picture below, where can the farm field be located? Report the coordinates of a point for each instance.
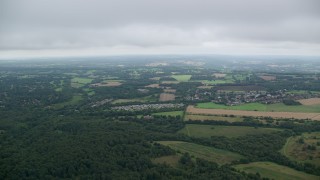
(279, 107)
(204, 87)
(181, 78)
(247, 107)
(169, 113)
(79, 82)
(219, 75)
(89, 91)
(268, 78)
(153, 86)
(298, 148)
(199, 151)
(169, 90)
(170, 82)
(295, 115)
(75, 100)
(166, 97)
(212, 118)
(112, 83)
(207, 131)
(310, 102)
(155, 78)
(275, 171)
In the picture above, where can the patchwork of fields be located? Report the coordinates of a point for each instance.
(135, 115)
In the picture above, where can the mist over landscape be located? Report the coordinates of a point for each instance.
(171, 89)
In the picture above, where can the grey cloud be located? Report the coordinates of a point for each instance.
(178, 24)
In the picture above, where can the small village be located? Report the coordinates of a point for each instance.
(147, 106)
(241, 97)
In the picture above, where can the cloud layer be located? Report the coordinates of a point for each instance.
(98, 27)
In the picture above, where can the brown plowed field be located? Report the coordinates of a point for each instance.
(204, 87)
(108, 84)
(167, 97)
(311, 101)
(268, 78)
(295, 115)
(153, 86)
(219, 75)
(169, 90)
(112, 84)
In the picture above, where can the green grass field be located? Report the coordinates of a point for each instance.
(248, 107)
(199, 151)
(58, 87)
(181, 78)
(240, 77)
(169, 113)
(79, 82)
(297, 151)
(89, 72)
(212, 118)
(89, 91)
(75, 100)
(207, 131)
(275, 171)
(279, 107)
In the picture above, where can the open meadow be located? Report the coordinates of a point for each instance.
(304, 148)
(73, 101)
(181, 78)
(199, 151)
(78, 82)
(274, 171)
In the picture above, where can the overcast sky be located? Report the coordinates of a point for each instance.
(103, 27)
